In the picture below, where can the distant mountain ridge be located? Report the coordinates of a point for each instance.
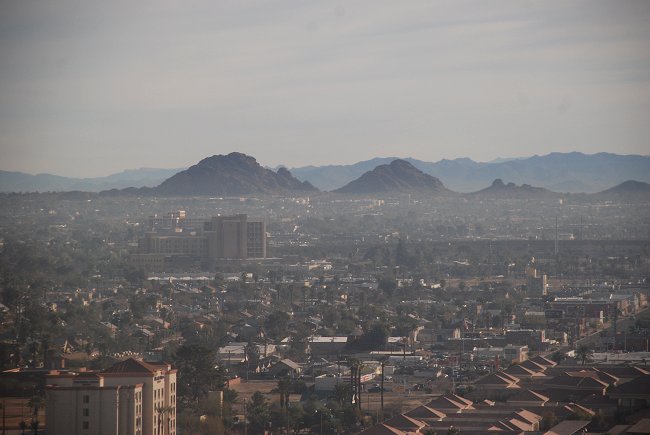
(628, 188)
(22, 182)
(399, 176)
(232, 174)
(559, 172)
(499, 189)
(565, 172)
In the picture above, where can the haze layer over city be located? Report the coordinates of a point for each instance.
(329, 218)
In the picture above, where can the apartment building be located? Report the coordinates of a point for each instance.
(131, 397)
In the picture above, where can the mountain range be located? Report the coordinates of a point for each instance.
(563, 172)
(400, 177)
(22, 182)
(560, 172)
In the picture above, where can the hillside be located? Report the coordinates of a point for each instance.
(232, 174)
(501, 190)
(397, 177)
(627, 189)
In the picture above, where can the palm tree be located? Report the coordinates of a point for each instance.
(382, 361)
(284, 385)
(35, 403)
(34, 426)
(355, 380)
(163, 411)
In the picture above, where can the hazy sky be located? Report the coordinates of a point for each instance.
(89, 88)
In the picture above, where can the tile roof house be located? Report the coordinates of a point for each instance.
(577, 383)
(450, 403)
(634, 394)
(567, 427)
(425, 413)
(404, 423)
(498, 380)
(382, 429)
(528, 398)
(543, 361)
(643, 426)
(522, 372)
(533, 365)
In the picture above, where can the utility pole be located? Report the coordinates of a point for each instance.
(229, 366)
(556, 238)
(614, 327)
(381, 415)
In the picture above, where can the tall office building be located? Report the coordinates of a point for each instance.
(130, 398)
(536, 283)
(236, 237)
(173, 238)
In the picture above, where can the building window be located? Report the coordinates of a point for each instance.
(86, 412)
(86, 398)
(85, 425)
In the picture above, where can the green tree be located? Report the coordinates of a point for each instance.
(258, 413)
(557, 356)
(276, 324)
(298, 345)
(387, 284)
(375, 338)
(252, 357)
(197, 373)
(583, 353)
(549, 419)
(342, 393)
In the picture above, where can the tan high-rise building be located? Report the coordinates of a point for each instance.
(174, 238)
(130, 398)
(236, 237)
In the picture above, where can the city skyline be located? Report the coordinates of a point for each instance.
(93, 89)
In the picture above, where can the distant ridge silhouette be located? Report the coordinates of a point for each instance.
(398, 176)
